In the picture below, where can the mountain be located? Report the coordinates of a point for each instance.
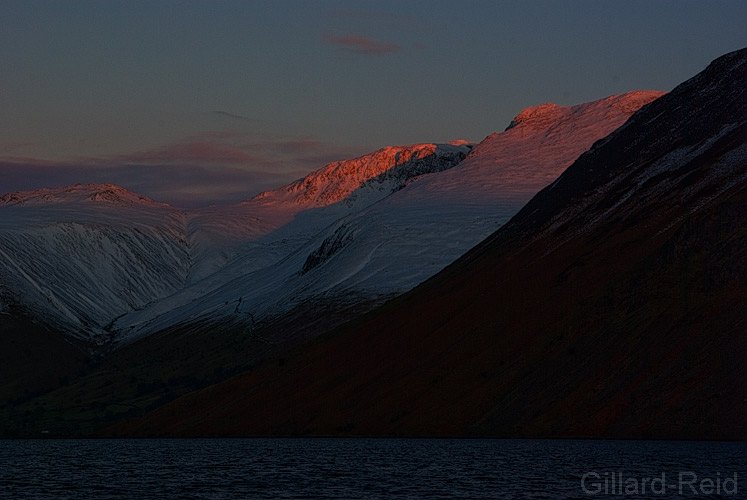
(77, 258)
(145, 302)
(400, 225)
(610, 306)
(100, 263)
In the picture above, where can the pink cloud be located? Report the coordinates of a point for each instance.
(178, 185)
(214, 167)
(361, 45)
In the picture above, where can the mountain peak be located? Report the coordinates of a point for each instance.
(337, 180)
(545, 115)
(106, 193)
(534, 114)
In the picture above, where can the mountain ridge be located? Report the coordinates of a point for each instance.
(337, 180)
(230, 286)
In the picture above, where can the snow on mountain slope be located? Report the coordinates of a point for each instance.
(219, 234)
(395, 243)
(107, 193)
(83, 255)
(79, 257)
(299, 211)
(435, 219)
(101, 262)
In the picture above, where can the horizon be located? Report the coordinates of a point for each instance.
(197, 103)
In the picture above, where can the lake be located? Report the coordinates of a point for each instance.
(370, 468)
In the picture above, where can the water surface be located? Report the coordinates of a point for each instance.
(369, 468)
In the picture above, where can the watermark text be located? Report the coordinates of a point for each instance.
(686, 483)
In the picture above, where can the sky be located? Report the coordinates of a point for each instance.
(200, 102)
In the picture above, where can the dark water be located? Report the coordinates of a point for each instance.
(369, 468)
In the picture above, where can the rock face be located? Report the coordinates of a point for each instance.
(610, 306)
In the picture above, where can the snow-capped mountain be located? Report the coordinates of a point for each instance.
(436, 219)
(387, 247)
(79, 257)
(98, 261)
(611, 306)
(108, 193)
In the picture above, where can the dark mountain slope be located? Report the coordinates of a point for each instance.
(612, 305)
(33, 360)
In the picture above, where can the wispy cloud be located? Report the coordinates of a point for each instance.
(357, 44)
(215, 167)
(187, 186)
(232, 115)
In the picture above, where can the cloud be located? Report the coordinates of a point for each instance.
(357, 44)
(215, 167)
(232, 115)
(187, 186)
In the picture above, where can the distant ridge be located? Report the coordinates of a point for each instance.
(77, 193)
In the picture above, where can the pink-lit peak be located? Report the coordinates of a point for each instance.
(337, 180)
(538, 117)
